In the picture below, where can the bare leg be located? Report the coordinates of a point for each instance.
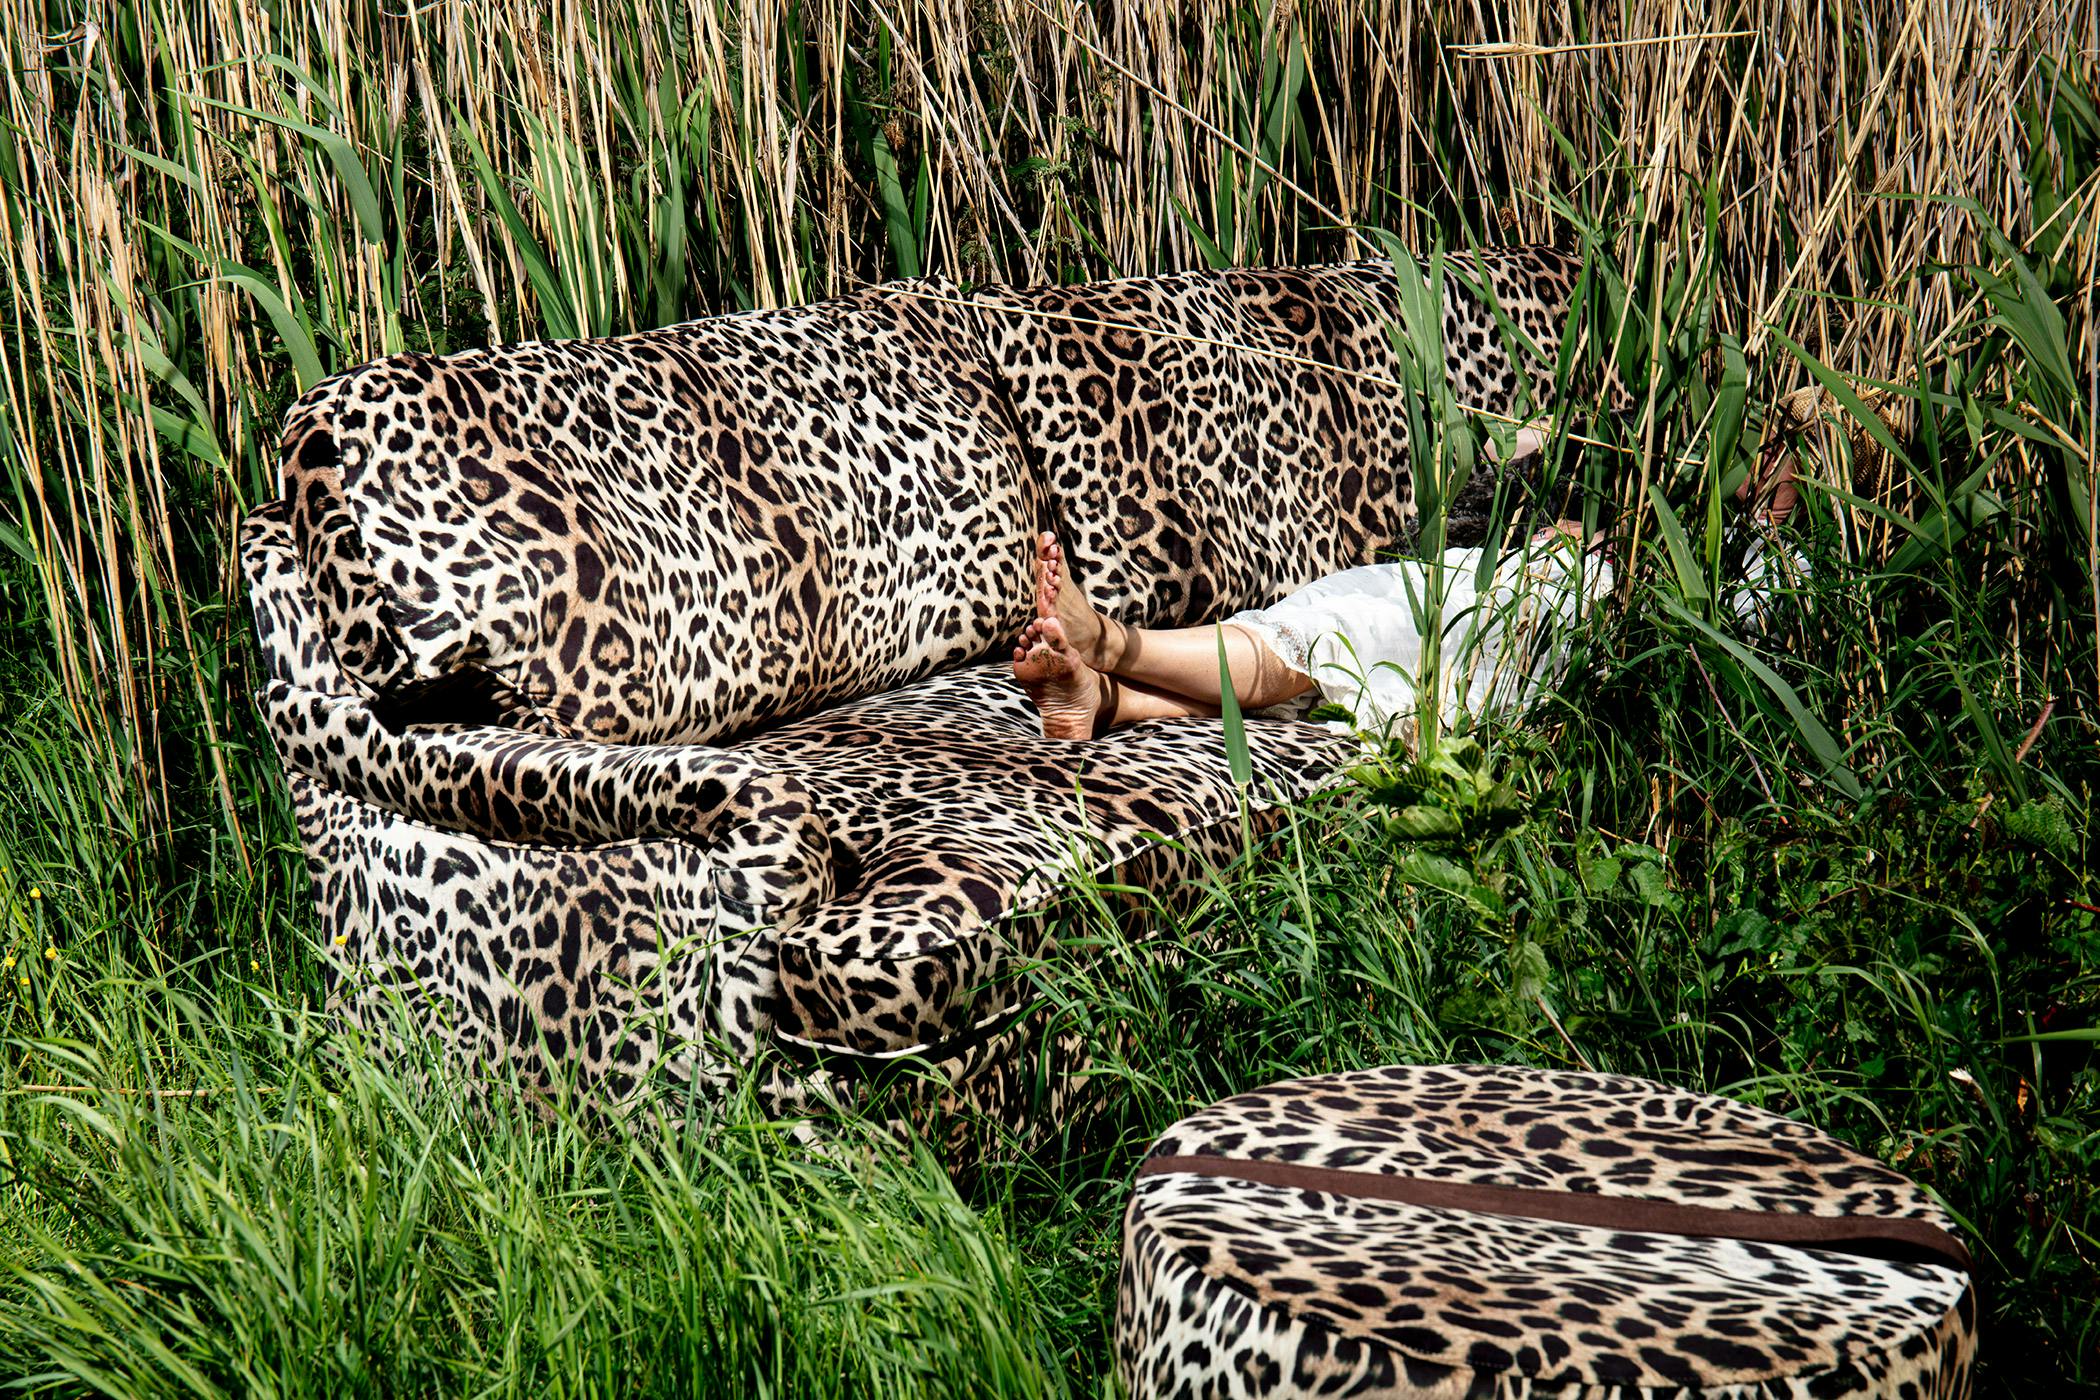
(1076, 701)
(1182, 660)
(1775, 486)
(1136, 700)
(1528, 441)
(1185, 660)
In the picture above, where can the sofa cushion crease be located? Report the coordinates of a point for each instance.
(958, 808)
(1005, 956)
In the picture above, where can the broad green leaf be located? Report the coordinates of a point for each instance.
(186, 434)
(1373, 777)
(2023, 426)
(904, 239)
(174, 171)
(922, 195)
(298, 343)
(2026, 313)
(1841, 390)
(349, 168)
(1650, 886)
(1282, 116)
(1985, 723)
(1966, 506)
(1437, 872)
(165, 370)
(1691, 578)
(1866, 506)
(557, 310)
(318, 90)
(1599, 872)
(1208, 246)
(1729, 403)
(1420, 823)
(1741, 931)
(1529, 972)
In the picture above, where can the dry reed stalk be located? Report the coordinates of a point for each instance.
(1522, 50)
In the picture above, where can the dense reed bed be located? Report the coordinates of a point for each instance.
(212, 206)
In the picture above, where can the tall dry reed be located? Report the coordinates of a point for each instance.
(210, 205)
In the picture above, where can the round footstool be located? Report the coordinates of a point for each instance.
(1467, 1231)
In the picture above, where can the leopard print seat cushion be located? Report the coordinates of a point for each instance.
(1232, 1288)
(953, 820)
(672, 536)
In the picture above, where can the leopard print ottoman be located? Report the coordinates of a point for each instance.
(1231, 1287)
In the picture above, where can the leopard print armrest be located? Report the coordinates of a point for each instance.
(505, 785)
(771, 845)
(293, 643)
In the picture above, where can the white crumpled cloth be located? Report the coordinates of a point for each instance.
(1359, 633)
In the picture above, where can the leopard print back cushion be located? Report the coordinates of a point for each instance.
(1234, 1288)
(673, 536)
(1214, 440)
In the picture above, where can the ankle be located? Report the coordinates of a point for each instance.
(1112, 645)
(1110, 697)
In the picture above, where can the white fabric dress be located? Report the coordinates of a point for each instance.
(1359, 633)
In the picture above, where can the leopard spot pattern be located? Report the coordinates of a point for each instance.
(1233, 1288)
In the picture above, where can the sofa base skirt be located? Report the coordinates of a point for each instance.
(592, 979)
(996, 1093)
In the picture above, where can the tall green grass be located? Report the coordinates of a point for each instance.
(1836, 867)
(295, 1222)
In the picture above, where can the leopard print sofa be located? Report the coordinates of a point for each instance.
(640, 698)
(1235, 1288)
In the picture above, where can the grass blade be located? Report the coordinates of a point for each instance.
(1236, 754)
(1813, 735)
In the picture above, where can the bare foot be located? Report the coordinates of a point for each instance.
(1570, 529)
(1058, 680)
(1096, 641)
(1528, 441)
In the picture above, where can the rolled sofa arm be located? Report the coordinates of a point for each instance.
(767, 842)
(543, 900)
(770, 845)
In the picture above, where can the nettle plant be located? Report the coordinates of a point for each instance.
(1479, 835)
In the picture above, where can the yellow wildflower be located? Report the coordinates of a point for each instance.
(51, 955)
